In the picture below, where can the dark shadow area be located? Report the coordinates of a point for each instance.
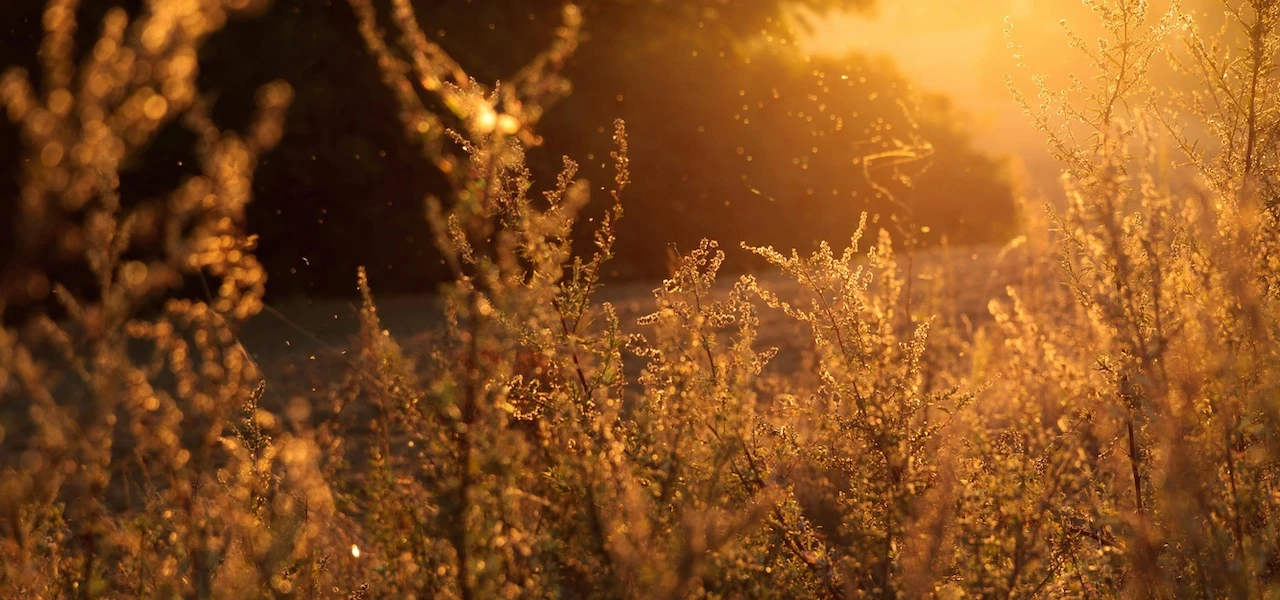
(731, 139)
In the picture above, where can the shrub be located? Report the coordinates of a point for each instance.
(1109, 430)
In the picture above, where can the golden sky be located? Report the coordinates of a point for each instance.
(959, 48)
(943, 44)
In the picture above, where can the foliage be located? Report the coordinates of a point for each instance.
(1109, 431)
(135, 458)
(678, 81)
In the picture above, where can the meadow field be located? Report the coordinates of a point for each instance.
(1084, 405)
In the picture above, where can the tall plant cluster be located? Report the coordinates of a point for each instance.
(1165, 375)
(134, 458)
(1110, 431)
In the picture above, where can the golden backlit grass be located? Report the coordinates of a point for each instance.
(1110, 431)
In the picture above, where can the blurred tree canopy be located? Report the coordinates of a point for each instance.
(734, 133)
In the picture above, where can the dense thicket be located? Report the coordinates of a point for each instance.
(736, 133)
(1107, 430)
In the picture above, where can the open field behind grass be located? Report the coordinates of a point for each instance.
(307, 344)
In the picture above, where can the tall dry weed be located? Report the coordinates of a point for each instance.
(1109, 431)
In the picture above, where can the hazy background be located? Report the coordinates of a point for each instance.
(743, 126)
(961, 49)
